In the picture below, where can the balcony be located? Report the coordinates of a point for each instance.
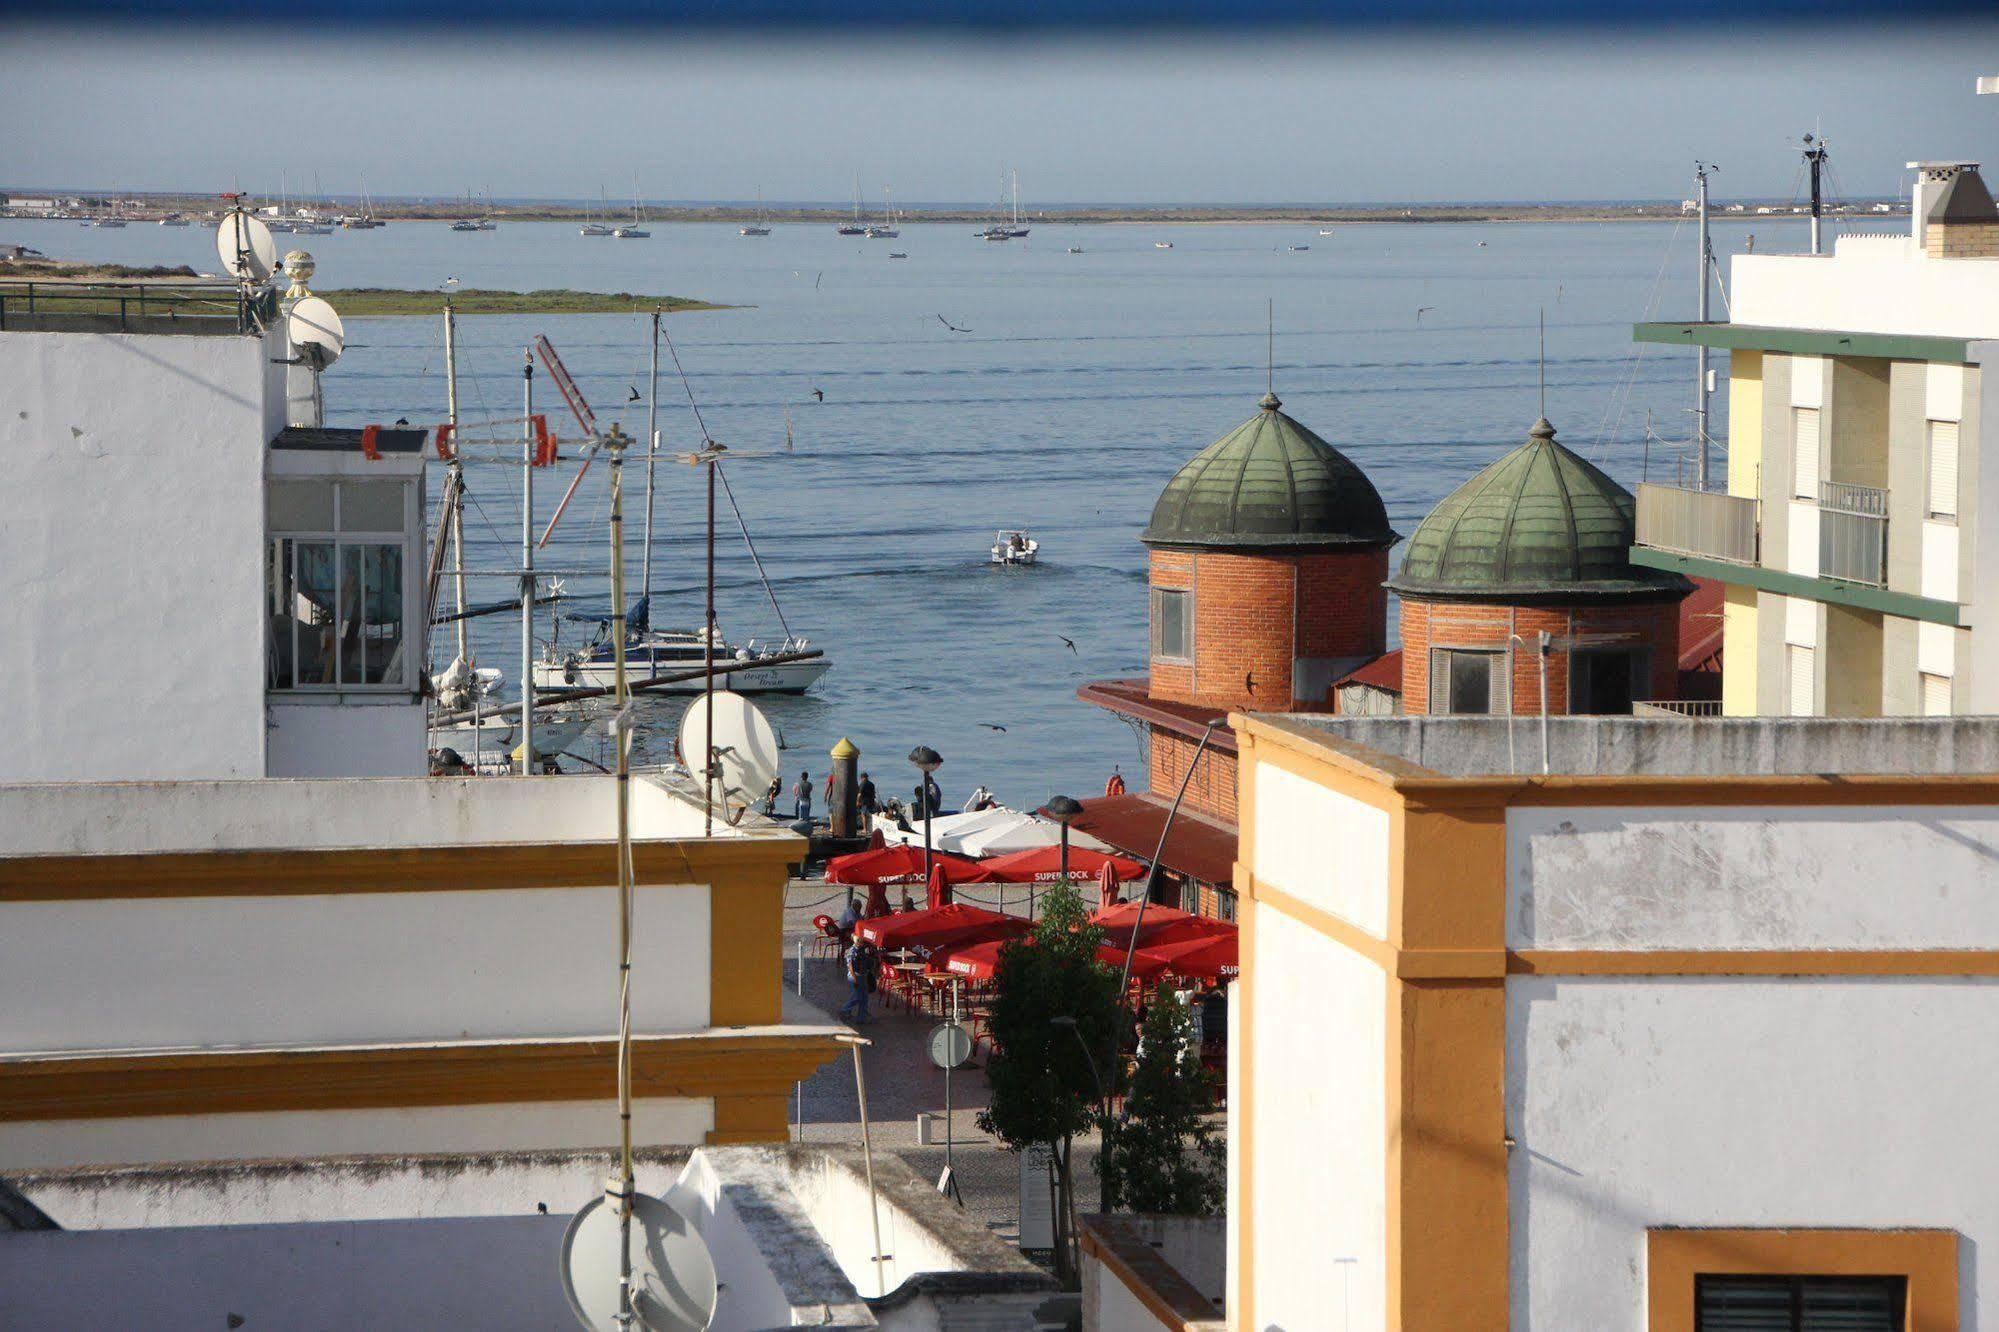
(1853, 533)
(1681, 709)
(1704, 523)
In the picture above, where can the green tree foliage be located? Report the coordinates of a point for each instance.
(1044, 1086)
(1162, 1155)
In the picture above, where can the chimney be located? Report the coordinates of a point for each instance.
(1962, 222)
(1932, 180)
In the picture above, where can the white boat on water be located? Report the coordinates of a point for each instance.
(1162, 245)
(487, 745)
(760, 227)
(675, 652)
(1012, 546)
(1325, 231)
(636, 228)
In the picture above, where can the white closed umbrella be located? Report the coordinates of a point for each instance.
(1021, 832)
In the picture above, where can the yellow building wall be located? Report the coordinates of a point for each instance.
(1745, 478)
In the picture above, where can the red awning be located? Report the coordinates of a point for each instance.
(942, 927)
(1043, 864)
(895, 864)
(1198, 847)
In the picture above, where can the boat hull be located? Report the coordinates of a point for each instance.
(489, 745)
(791, 677)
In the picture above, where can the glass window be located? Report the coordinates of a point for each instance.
(1606, 681)
(1172, 628)
(336, 602)
(1467, 682)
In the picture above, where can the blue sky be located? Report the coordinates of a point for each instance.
(1309, 116)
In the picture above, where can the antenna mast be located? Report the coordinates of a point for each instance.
(1542, 316)
(1815, 153)
(1703, 381)
(527, 562)
(1269, 344)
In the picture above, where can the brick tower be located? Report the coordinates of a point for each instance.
(1537, 543)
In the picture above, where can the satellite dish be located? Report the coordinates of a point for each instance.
(315, 330)
(245, 247)
(746, 749)
(673, 1278)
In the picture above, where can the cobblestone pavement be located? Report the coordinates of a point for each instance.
(901, 1080)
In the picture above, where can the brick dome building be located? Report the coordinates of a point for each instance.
(1269, 550)
(1537, 543)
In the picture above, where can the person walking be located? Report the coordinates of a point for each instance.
(870, 804)
(860, 979)
(801, 795)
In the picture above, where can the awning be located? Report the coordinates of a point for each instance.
(1199, 847)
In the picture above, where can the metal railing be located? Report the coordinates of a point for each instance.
(1697, 522)
(1681, 708)
(1853, 533)
(134, 306)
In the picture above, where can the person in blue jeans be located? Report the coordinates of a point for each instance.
(860, 961)
(802, 794)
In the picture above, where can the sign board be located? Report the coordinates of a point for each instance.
(950, 1045)
(1037, 1197)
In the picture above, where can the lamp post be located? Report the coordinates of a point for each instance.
(1103, 1102)
(1064, 811)
(927, 761)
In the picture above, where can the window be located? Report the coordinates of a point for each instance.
(1607, 681)
(1172, 624)
(1799, 1303)
(1805, 452)
(1467, 682)
(338, 581)
(1936, 695)
(1803, 663)
(1943, 469)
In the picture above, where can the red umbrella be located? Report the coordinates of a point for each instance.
(1214, 957)
(940, 927)
(877, 902)
(1107, 882)
(894, 864)
(980, 961)
(940, 887)
(1043, 864)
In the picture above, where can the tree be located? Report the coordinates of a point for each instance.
(1162, 1156)
(1044, 1073)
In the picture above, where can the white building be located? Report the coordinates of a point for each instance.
(201, 588)
(1859, 533)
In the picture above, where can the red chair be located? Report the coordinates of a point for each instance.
(827, 942)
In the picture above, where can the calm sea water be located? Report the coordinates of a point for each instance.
(1082, 382)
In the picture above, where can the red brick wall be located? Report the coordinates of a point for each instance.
(1467, 624)
(1213, 789)
(1254, 614)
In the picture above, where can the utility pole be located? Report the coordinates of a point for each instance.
(1702, 386)
(527, 563)
(1815, 151)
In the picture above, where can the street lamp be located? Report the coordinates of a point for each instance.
(1103, 1102)
(927, 761)
(1064, 811)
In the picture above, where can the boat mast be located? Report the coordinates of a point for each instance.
(527, 563)
(652, 451)
(454, 512)
(1701, 382)
(708, 665)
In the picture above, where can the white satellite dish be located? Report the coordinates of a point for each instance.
(746, 750)
(245, 247)
(316, 332)
(673, 1277)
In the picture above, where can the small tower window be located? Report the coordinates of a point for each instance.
(339, 580)
(1172, 624)
(1467, 682)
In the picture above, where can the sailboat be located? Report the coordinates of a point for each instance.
(1006, 225)
(591, 226)
(365, 220)
(856, 227)
(760, 227)
(636, 229)
(887, 230)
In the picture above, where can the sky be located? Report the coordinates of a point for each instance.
(1302, 116)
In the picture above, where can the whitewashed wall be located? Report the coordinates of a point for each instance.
(1739, 1103)
(348, 739)
(133, 533)
(280, 1135)
(1614, 877)
(1318, 1108)
(1323, 848)
(1868, 290)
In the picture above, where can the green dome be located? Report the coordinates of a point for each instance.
(1269, 482)
(1539, 522)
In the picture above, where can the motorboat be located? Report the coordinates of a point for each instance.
(898, 254)
(1162, 245)
(1075, 249)
(677, 652)
(1301, 247)
(1325, 231)
(1012, 546)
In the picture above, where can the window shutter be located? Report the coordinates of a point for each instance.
(1803, 700)
(1745, 1304)
(1936, 695)
(1865, 1304)
(1805, 452)
(1943, 469)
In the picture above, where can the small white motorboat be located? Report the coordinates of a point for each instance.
(1075, 249)
(1162, 245)
(1014, 547)
(1325, 231)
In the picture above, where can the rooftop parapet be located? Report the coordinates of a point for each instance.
(198, 307)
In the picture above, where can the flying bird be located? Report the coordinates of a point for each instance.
(634, 392)
(1070, 643)
(1422, 310)
(992, 726)
(953, 327)
(820, 394)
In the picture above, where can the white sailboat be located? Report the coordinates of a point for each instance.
(761, 226)
(636, 228)
(592, 227)
(856, 227)
(887, 230)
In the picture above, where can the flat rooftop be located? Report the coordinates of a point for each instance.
(1661, 747)
(186, 307)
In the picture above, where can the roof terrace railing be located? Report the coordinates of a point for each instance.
(143, 306)
(1707, 523)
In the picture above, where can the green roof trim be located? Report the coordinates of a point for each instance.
(1269, 482)
(1540, 522)
(1860, 596)
(1804, 341)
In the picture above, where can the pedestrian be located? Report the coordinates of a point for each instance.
(870, 805)
(770, 797)
(908, 903)
(829, 792)
(980, 799)
(860, 979)
(848, 919)
(802, 795)
(933, 794)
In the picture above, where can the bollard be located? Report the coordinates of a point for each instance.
(844, 809)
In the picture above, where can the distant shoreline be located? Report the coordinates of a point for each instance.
(154, 205)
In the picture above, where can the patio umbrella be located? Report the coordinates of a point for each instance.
(1107, 882)
(1015, 831)
(1213, 957)
(940, 886)
(1043, 864)
(1163, 924)
(980, 961)
(892, 864)
(939, 928)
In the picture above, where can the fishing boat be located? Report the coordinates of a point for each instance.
(1014, 546)
(856, 227)
(760, 227)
